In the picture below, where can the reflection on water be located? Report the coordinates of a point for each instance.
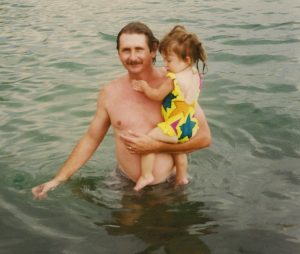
(162, 217)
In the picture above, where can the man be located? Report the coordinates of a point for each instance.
(128, 112)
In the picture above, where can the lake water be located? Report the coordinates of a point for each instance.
(244, 196)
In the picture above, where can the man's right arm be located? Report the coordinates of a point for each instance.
(84, 149)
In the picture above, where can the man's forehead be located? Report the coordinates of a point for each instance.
(127, 39)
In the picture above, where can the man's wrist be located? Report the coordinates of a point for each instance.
(60, 179)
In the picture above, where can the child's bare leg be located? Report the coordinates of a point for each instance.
(146, 177)
(147, 160)
(181, 164)
(158, 134)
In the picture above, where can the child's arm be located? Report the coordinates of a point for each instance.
(157, 94)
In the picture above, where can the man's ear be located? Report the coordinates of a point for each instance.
(155, 47)
(154, 51)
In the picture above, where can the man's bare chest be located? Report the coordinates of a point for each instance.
(133, 111)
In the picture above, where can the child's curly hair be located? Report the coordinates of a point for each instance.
(183, 44)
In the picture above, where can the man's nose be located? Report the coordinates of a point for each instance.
(132, 56)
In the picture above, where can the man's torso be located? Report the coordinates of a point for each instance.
(132, 110)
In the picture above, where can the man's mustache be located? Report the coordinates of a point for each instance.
(129, 62)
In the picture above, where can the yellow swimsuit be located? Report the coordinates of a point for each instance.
(179, 117)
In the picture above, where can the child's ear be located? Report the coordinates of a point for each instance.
(188, 60)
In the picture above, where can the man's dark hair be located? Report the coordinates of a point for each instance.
(139, 28)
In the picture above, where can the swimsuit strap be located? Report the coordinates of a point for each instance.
(171, 75)
(176, 86)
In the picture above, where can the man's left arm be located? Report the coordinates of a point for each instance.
(142, 143)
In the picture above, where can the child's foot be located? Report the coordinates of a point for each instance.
(142, 182)
(182, 180)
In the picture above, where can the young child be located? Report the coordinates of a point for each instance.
(181, 51)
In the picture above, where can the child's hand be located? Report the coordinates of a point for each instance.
(139, 85)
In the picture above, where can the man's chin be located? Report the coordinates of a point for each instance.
(135, 68)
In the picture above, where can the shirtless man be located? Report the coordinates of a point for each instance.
(131, 115)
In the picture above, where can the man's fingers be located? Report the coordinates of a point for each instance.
(42, 196)
(126, 139)
(131, 141)
(40, 192)
(134, 134)
(37, 189)
(129, 137)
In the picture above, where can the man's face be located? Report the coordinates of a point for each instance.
(134, 52)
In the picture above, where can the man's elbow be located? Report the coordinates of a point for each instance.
(207, 137)
(205, 141)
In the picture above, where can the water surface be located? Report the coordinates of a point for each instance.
(244, 195)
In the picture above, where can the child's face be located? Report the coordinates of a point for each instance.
(173, 63)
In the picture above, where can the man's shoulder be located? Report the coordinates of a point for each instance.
(111, 90)
(115, 83)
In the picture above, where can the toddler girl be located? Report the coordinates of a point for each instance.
(181, 52)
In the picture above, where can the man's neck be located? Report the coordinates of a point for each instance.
(146, 75)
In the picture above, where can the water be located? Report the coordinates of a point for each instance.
(244, 195)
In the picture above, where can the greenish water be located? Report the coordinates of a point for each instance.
(244, 196)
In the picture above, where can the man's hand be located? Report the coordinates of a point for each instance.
(40, 192)
(138, 143)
